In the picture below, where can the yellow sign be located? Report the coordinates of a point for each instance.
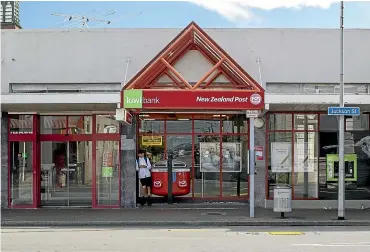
(151, 140)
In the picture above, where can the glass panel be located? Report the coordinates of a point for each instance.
(328, 123)
(359, 123)
(179, 126)
(107, 172)
(280, 121)
(21, 173)
(106, 124)
(207, 177)
(234, 124)
(207, 124)
(182, 149)
(306, 165)
(80, 174)
(306, 122)
(66, 169)
(53, 124)
(21, 124)
(80, 124)
(280, 160)
(151, 126)
(357, 167)
(235, 166)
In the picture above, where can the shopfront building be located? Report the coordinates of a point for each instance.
(66, 149)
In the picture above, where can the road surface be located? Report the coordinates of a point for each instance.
(263, 239)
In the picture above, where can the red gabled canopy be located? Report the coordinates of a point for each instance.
(193, 38)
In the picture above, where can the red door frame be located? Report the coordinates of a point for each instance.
(32, 137)
(36, 138)
(193, 134)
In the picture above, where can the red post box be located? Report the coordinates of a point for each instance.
(180, 179)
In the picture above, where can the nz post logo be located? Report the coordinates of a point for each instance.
(133, 98)
(256, 99)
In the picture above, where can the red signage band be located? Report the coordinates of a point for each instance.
(199, 99)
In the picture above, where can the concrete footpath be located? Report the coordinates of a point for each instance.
(178, 216)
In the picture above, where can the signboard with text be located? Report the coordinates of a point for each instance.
(192, 99)
(151, 141)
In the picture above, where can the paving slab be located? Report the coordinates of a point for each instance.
(170, 216)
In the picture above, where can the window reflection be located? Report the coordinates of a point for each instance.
(207, 124)
(306, 122)
(179, 126)
(80, 124)
(151, 126)
(106, 124)
(234, 124)
(280, 121)
(53, 124)
(21, 124)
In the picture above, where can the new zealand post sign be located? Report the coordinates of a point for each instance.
(192, 99)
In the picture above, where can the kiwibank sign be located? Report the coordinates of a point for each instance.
(192, 99)
(133, 98)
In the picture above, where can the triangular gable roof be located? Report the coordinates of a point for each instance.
(193, 37)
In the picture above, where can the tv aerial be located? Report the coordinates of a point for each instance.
(89, 20)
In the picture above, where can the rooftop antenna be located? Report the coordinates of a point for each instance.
(88, 20)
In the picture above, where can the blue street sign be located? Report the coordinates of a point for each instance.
(346, 111)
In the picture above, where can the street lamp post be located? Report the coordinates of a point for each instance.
(341, 184)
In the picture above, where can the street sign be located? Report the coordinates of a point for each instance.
(252, 113)
(345, 111)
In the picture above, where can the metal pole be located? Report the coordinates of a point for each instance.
(170, 174)
(251, 165)
(259, 70)
(125, 79)
(341, 185)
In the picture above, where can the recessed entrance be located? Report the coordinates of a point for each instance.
(210, 154)
(66, 173)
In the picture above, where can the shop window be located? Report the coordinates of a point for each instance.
(234, 124)
(179, 126)
(21, 124)
(280, 121)
(21, 172)
(306, 122)
(106, 124)
(235, 166)
(53, 124)
(207, 124)
(151, 126)
(80, 124)
(306, 159)
(107, 172)
(357, 123)
(357, 168)
(207, 166)
(280, 160)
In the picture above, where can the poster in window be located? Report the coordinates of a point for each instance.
(231, 157)
(210, 157)
(281, 157)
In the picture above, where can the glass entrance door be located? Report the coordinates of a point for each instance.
(66, 173)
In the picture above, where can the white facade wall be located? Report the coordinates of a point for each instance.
(100, 55)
